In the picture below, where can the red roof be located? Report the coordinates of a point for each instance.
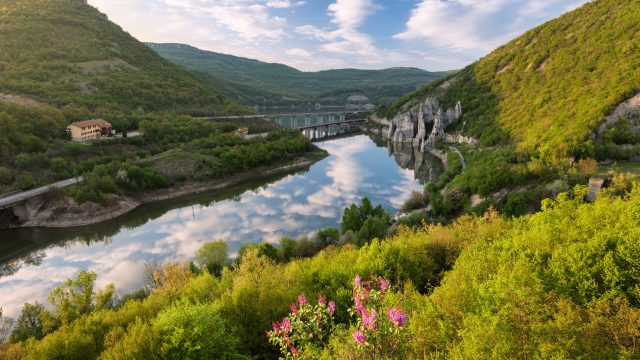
(88, 123)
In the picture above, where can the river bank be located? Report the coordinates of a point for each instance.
(65, 212)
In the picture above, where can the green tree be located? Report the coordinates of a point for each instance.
(268, 250)
(328, 236)
(76, 297)
(6, 177)
(365, 221)
(29, 323)
(286, 249)
(22, 161)
(213, 257)
(58, 165)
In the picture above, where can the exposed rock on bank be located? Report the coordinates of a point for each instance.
(628, 110)
(65, 212)
(424, 127)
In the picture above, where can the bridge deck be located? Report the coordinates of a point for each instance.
(329, 124)
(281, 115)
(14, 199)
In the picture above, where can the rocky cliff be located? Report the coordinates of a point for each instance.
(412, 126)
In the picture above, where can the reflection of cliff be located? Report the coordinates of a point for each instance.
(426, 166)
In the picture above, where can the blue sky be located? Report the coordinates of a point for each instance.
(326, 34)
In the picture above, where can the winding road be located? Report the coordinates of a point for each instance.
(464, 163)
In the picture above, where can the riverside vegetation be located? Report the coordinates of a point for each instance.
(535, 103)
(63, 61)
(561, 283)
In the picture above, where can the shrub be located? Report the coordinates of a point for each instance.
(187, 331)
(6, 176)
(415, 201)
(305, 330)
(22, 161)
(58, 165)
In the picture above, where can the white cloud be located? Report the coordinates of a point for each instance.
(348, 16)
(299, 53)
(480, 26)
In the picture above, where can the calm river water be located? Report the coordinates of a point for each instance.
(34, 261)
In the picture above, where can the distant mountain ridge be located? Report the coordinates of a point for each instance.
(66, 52)
(278, 83)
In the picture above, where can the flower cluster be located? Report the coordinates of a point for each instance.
(368, 297)
(306, 325)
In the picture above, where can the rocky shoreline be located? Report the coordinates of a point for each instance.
(65, 212)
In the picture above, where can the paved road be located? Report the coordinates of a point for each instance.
(26, 195)
(464, 164)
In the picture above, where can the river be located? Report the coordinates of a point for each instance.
(34, 261)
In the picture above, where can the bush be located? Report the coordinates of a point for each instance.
(22, 161)
(25, 181)
(58, 165)
(6, 176)
(189, 331)
(415, 201)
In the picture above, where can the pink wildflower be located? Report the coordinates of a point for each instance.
(356, 281)
(322, 300)
(332, 307)
(383, 284)
(294, 351)
(293, 309)
(369, 319)
(285, 325)
(398, 317)
(358, 301)
(302, 300)
(358, 336)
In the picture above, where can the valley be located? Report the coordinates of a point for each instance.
(323, 196)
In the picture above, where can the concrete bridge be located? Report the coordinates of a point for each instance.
(26, 204)
(283, 115)
(20, 197)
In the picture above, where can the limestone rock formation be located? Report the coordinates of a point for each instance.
(411, 126)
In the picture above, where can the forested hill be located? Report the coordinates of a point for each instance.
(65, 52)
(277, 82)
(549, 89)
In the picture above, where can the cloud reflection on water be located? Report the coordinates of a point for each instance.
(294, 206)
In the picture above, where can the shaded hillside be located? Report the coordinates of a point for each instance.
(65, 51)
(550, 88)
(277, 82)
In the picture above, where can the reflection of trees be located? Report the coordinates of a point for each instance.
(12, 267)
(26, 246)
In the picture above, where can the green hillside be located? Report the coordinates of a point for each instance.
(64, 51)
(548, 89)
(63, 61)
(533, 104)
(273, 81)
